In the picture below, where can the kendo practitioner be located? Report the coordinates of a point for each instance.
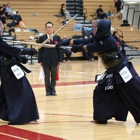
(17, 100)
(123, 45)
(118, 91)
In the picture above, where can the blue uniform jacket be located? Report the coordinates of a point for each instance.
(107, 44)
(8, 50)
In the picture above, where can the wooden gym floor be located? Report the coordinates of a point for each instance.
(68, 115)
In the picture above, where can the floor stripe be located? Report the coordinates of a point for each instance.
(22, 134)
(65, 84)
(7, 137)
(11, 136)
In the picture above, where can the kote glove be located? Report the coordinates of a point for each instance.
(65, 42)
(77, 48)
(22, 59)
(29, 51)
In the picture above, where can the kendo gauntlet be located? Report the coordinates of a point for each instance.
(65, 42)
(29, 51)
(77, 48)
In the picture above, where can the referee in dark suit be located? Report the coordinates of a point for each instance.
(49, 59)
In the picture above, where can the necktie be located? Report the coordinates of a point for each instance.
(50, 40)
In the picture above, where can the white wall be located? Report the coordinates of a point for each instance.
(130, 14)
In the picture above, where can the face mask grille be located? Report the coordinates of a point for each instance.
(94, 27)
(1, 27)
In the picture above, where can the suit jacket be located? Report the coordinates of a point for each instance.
(49, 56)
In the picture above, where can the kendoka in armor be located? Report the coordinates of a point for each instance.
(119, 89)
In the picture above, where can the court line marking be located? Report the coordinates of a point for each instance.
(82, 116)
(20, 133)
(13, 136)
(43, 93)
(66, 84)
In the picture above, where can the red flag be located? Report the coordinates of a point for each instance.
(118, 43)
(56, 42)
(57, 74)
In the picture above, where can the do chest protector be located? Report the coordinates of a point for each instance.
(110, 60)
(4, 60)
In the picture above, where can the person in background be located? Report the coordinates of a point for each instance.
(62, 11)
(2, 15)
(4, 10)
(67, 53)
(88, 56)
(118, 4)
(49, 59)
(94, 16)
(9, 12)
(119, 40)
(123, 45)
(108, 14)
(115, 35)
(100, 13)
(15, 21)
(67, 15)
(121, 9)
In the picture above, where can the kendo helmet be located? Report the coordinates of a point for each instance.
(101, 28)
(1, 28)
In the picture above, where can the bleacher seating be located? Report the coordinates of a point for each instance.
(36, 13)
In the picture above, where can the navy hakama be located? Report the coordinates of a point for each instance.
(20, 106)
(116, 102)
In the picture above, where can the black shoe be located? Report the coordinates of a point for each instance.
(54, 94)
(48, 94)
(99, 122)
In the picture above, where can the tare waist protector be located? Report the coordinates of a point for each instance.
(111, 60)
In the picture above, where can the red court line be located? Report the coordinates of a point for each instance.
(25, 134)
(65, 84)
(4, 137)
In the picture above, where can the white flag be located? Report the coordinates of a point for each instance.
(41, 75)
